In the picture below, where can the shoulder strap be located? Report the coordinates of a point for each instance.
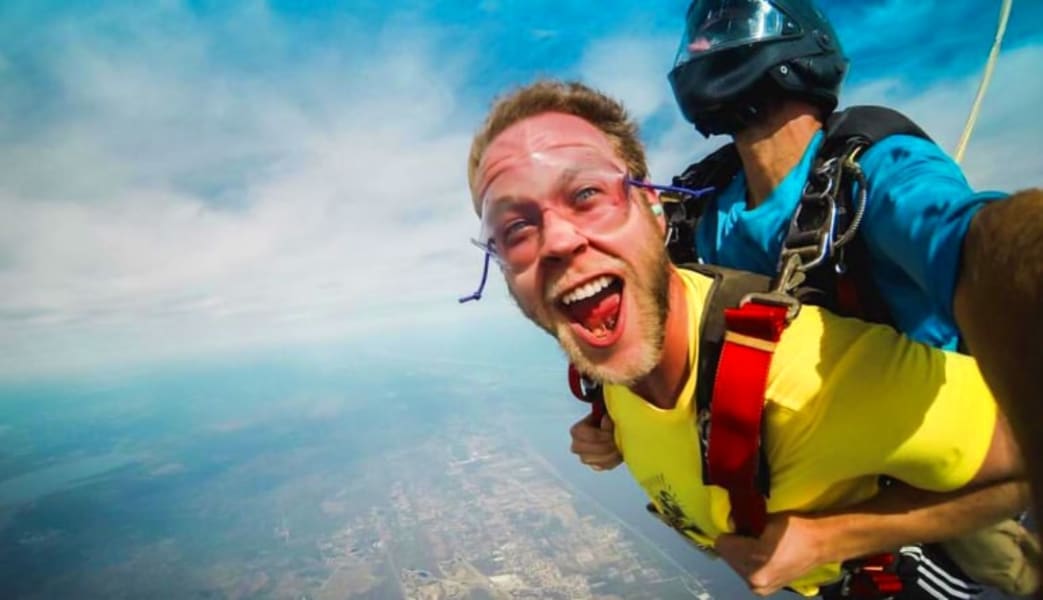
(729, 287)
(736, 345)
(868, 125)
(715, 169)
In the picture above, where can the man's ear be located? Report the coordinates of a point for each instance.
(656, 206)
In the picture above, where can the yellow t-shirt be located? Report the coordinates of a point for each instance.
(846, 402)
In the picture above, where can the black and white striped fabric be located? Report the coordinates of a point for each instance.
(935, 577)
(926, 574)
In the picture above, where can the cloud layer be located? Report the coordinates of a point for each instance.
(176, 199)
(177, 183)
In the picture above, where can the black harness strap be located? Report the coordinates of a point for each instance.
(867, 125)
(683, 211)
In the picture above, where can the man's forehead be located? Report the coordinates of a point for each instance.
(542, 133)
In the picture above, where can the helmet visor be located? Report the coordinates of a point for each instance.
(715, 24)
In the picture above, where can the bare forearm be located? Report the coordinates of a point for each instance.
(999, 309)
(903, 515)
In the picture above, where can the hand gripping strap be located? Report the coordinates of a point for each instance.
(752, 332)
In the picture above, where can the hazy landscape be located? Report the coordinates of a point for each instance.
(335, 475)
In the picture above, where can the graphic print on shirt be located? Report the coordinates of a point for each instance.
(669, 510)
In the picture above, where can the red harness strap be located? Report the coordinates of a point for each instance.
(738, 401)
(587, 393)
(848, 301)
(874, 577)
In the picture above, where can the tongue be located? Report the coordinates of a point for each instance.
(599, 312)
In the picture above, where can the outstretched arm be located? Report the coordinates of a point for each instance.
(999, 307)
(793, 544)
(922, 414)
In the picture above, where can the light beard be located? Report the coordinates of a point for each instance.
(651, 298)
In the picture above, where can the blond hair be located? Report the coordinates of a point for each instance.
(571, 98)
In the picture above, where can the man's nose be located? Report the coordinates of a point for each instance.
(561, 239)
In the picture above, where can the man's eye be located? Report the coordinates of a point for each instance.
(515, 231)
(584, 196)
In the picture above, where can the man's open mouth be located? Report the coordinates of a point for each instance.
(595, 305)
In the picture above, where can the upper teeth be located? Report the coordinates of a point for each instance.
(586, 291)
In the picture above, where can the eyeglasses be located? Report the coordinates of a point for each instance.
(593, 199)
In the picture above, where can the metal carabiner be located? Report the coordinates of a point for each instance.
(813, 254)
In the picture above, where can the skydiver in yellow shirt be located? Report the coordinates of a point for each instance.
(558, 179)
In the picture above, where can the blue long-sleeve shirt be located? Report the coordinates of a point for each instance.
(918, 209)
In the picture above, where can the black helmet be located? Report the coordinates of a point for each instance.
(739, 57)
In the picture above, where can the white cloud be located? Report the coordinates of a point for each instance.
(181, 204)
(632, 69)
(1006, 143)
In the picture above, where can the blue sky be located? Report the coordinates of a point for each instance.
(189, 178)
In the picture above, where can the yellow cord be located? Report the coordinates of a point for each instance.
(990, 64)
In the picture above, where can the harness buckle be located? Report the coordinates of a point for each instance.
(791, 276)
(791, 304)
